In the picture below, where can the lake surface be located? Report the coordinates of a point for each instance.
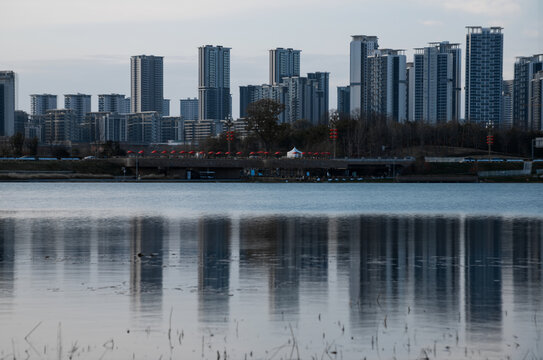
(271, 271)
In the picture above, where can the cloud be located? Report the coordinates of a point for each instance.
(484, 7)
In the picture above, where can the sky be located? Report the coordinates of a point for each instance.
(70, 46)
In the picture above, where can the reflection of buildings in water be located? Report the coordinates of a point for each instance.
(7, 257)
(290, 250)
(401, 261)
(483, 300)
(214, 269)
(147, 240)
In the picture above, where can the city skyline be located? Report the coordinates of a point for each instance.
(97, 64)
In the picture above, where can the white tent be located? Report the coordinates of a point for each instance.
(294, 153)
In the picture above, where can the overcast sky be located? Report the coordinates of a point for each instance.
(67, 46)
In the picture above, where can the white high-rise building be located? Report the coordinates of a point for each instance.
(437, 83)
(361, 47)
(40, 103)
(7, 103)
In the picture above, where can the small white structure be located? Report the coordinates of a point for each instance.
(294, 153)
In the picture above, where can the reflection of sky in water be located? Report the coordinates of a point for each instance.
(377, 285)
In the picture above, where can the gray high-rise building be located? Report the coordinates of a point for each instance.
(437, 83)
(214, 99)
(188, 108)
(525, 69)
(386, 84)
(410, 86)
(146, 83)
(114, 103)
(484, 75)
(283, 63)
(79, 103)
(59, 126)
(536, 101)
(361, 47)
(343, 100)
(40, 103)
(507, 104)
(7, 103)
(166, 107)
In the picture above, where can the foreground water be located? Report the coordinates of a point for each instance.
(271, 271)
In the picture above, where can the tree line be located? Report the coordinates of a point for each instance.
(373, 135)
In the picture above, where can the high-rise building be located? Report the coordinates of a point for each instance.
(189, 109)
(361, 47)
(59, 125)
(81, 106)
(21, 119)
(283, 63)
(171, 129)
(507, 104)
(146, 83)
(40, 103)
(536, 101)
(386, 84)
(484, 75)
(143, 127)
(343, 100)
(166, 107)
(214, 99)
(7, 103)
(410, 86)
(115, 103)
(104, 126)
(437, 69)
(525, 69)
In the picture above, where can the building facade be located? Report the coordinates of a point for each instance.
(525, 69)
(437, 83)
(40, 103)
(81, 106)
(59, 126)
(188, 108)
(166, 107)
(484, 77)
(507, 104)
(146, 83)
(284, 63)
(7, 103)
(536, 101)
(143, 128)
(113, 103)
(343, 100)
(214, 99)
(361, 47)
(386, 84)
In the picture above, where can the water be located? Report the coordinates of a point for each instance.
(271, 271)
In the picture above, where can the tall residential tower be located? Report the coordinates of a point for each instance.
(146, 83)
(40, 103)
(284, 63)
(484, 75)
(214, 98)
(361, 47)
(7, 103)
